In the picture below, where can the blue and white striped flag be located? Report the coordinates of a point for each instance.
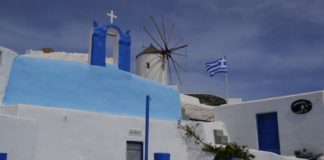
(218, 66)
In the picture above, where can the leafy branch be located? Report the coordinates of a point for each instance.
(221, 152)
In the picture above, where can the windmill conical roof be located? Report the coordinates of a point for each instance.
(149, 50)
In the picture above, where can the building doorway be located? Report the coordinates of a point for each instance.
(268, 133)
(134, 150)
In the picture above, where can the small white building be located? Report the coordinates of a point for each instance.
(281, 124)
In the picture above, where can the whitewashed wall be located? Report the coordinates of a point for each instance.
(192, 109)
(78, 135)
(18, 137)
(295, 131)
(6, 58)
(78, 57)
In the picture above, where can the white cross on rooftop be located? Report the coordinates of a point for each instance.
(112, 16)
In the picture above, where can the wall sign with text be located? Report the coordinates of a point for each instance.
(301, 106)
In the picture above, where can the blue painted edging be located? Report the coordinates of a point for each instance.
(75, 85)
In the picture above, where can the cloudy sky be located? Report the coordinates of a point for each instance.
(273, 48)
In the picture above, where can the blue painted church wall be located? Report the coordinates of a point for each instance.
(76, 85)
(98, 50)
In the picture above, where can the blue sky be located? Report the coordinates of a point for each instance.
(273, 48)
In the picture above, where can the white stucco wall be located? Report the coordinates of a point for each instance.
(18, 137)
(295, 131)
(6, 58)
(79, 135)
(78, 57)
(262, 155)
(193, 109)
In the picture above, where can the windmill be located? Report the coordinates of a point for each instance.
(157, 60)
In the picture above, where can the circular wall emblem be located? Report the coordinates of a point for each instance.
(301, 106)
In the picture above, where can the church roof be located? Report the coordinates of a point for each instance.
(149, 50)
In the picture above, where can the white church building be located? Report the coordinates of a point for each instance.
(74, 106)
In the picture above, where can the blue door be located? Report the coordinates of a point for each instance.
(3, 156)
(268, 134)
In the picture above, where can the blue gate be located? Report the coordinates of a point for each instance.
(268, 134)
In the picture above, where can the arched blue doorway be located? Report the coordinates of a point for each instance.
(98, 46)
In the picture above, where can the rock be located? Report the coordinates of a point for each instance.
(198, 112)
(209, 99)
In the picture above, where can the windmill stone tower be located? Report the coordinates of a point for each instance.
(149, 64)
(156, 63)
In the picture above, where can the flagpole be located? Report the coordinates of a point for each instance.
(226, 86)
(226, 83)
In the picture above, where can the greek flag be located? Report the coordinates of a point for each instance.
(218, 66)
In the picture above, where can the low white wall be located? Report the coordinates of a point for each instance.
(79, 135)
(6, 58)
(295, 131)
(79, 57)
(261, 155)
(18, 137)
(66, 134)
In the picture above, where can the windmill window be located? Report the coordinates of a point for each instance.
(148, 66)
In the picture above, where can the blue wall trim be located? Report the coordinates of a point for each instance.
(82, 86)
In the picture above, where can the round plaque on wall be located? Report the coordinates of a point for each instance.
(301, 106)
